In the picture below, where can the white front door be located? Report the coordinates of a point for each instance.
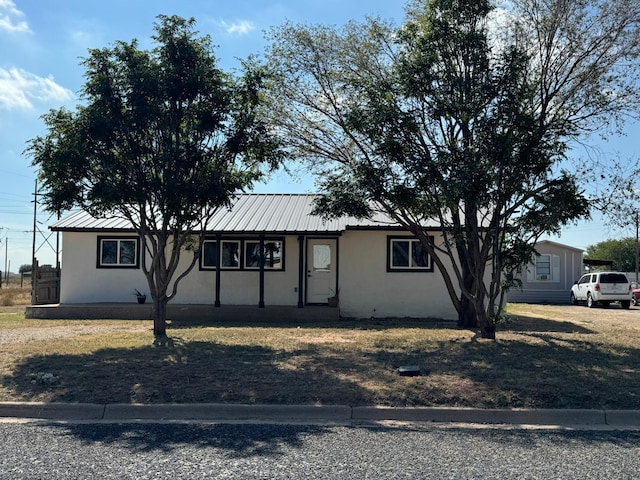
(321, 269)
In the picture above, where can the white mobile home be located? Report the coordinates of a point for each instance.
(550, 275)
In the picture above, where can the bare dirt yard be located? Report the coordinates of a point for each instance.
(545, 357)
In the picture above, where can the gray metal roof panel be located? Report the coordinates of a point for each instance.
(81, 220)
(282, 213)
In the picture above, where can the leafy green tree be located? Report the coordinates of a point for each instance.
(619, 199)
(455, 119)
(163, 138)
(25, 268)
(621, 252)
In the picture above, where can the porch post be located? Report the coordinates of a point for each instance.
(218, 250)
(300, 270)
(262, 261)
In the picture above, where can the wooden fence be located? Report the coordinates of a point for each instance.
(45, 285)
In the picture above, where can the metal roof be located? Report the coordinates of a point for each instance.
(249, 213)
(559, 245)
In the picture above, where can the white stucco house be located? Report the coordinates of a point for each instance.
(550, 275)
(376, 268)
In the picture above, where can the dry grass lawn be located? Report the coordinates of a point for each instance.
(546, 357)
(14, 295)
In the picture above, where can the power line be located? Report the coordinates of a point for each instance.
(19, 195)
(44, 236)
(19, 201)
(16, 174)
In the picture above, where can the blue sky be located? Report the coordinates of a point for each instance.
(42, 43)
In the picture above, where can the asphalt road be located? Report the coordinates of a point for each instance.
(262, 451)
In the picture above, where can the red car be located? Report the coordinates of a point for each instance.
(635, 294)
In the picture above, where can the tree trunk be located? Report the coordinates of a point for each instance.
(160, 317)
(487, 327)
(488, 331)
(467, 317)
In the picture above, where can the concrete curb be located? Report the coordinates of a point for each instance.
(317, 413)
(58, 411)
(623, 417)
(487, 416)
(213, 411)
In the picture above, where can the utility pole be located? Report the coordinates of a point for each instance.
(58, 246)
(6, 258)
(33, 248)
(35, 213)
(637, 222)
(44, 240)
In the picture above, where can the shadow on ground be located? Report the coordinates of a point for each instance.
(518, 324)
(343, 324)
(181, 372)
(259, 441)
(532, 370)
(238, 440)
(542, 325)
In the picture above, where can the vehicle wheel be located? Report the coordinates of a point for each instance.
(572, 299)
(634, 300)
(590, 302)
(625, 304)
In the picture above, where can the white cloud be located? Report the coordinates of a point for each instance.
(19, 88)
(11, 18)
(240, 28)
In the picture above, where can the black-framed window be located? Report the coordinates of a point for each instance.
(230, 254)
(209, 257)
(272, 254)
(242, 254)
(118, 252)
(406, 254)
